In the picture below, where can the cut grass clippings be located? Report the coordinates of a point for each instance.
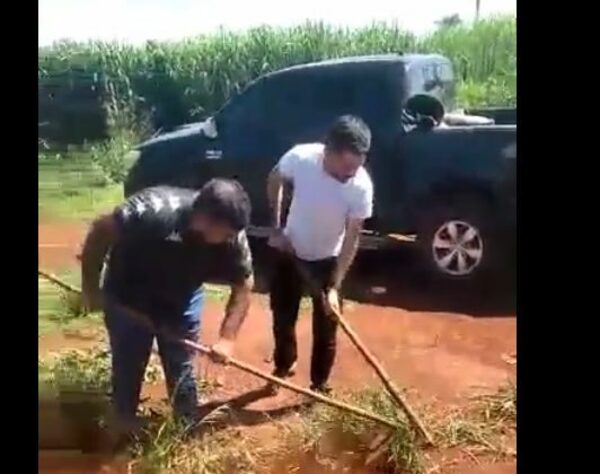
(484, 426)
(320, 438)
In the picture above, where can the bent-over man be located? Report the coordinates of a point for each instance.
(163, 244)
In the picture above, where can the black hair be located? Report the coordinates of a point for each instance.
(224, 200)
(349, 133)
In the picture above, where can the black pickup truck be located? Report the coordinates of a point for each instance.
(453, 186)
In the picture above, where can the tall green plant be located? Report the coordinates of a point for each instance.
(126, 127)
(187, 79)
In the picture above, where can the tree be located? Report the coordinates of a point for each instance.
(449, 21)
(477, 9)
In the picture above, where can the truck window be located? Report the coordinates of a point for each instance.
(244, 109)
(302, 106)
(435, 78)
(242, 124)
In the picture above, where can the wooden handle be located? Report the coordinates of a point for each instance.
(370, 358)
(57, 281)
(293, 387)
(385, 378)
(146, 322)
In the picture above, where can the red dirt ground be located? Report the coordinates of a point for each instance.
(59, 244)
(443, 356)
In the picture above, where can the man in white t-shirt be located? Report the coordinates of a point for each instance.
(332, 195)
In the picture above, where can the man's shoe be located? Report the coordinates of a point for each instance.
(323, 388)
(273, 388)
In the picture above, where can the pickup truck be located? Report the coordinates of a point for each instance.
(453, 186)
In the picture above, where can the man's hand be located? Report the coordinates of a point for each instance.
(221, 351)
(279, 241)
(332, 302)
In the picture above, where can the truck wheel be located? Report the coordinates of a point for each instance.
(457, 241)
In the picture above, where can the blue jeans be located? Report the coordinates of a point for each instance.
(131, 345)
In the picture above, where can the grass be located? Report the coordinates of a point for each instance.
(484, 425)
(223, 451)
(318, 436)
(72, 188)
(59, 310)
(84, 370)
(322, 436)
(325, 429)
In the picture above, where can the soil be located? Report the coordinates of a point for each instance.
(59, 244)
(441, 356)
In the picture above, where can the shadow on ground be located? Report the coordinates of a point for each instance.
(236, 413)
(391, 278)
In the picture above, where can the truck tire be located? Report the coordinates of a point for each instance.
(458, 241)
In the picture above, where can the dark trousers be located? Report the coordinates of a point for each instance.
(286, 290)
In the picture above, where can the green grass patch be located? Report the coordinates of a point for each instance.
(84, 370)
(72, 187)
(59, 310)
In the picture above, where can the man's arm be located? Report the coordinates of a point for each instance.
(236, 309)
(238, 304)
(276, 185)
(347, 252)
(100, 238)
(360, 210)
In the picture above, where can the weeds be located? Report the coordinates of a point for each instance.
(59, 308)
(481, 426)
(169, 448)
(84, 371)
(73, 187)
(325, 429)
(500, 408)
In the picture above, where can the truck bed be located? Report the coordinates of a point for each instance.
(500, 115)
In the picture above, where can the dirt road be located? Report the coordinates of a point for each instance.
(439, 355)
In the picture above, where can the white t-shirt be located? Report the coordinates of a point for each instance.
(320, 206)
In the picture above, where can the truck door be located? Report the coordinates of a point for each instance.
(244, 140)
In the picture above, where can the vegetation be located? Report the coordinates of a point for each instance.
(59, 309)
(483, 426)
(84, 370)
(180, 81)
(71, 186)
(171, 83)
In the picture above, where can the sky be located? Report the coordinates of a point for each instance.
(136, 21)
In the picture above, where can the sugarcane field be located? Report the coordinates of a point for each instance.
(278, 249)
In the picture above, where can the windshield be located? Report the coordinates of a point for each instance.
(239, 104)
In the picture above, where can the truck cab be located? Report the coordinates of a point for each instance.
(410, 169)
